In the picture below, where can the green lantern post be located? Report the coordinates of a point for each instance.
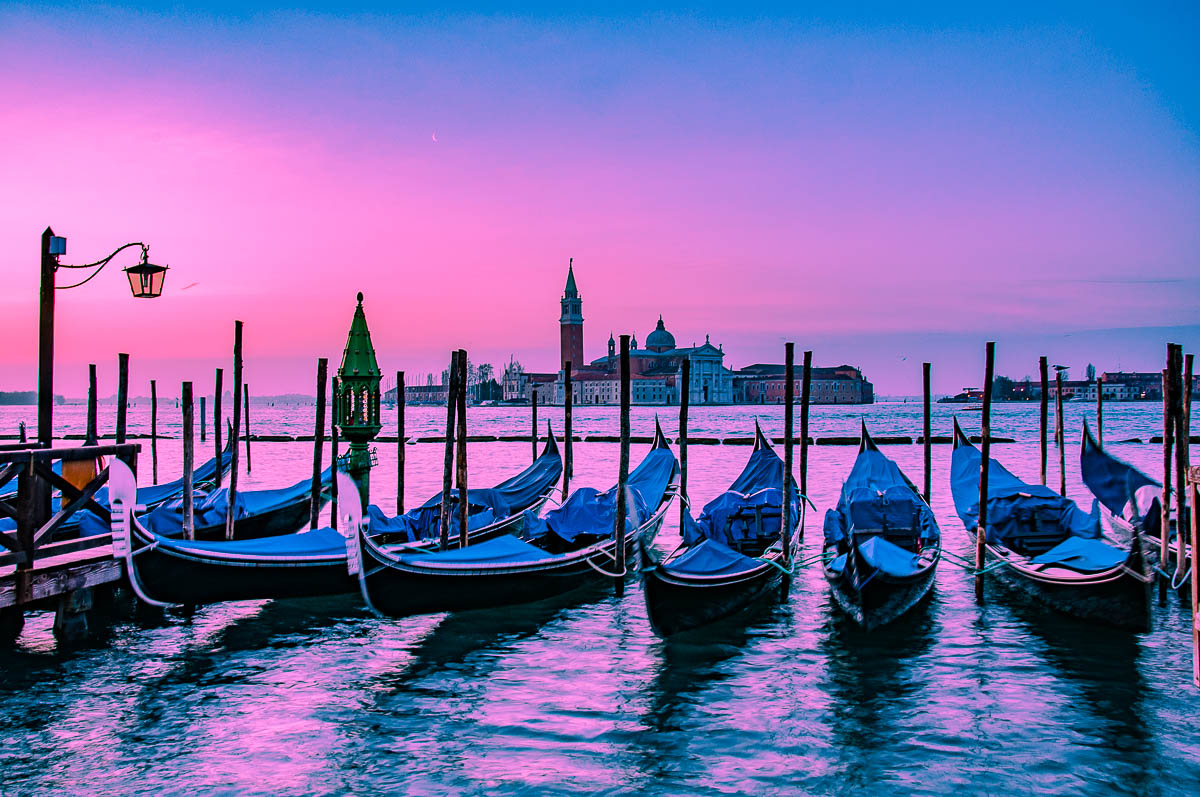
(356, 403)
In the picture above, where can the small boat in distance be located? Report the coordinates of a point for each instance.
(882, 541)
(730, 556)
(1048, 548)
(541, 557)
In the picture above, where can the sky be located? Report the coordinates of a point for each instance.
(880, 188)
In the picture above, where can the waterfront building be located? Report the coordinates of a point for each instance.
(766, 383)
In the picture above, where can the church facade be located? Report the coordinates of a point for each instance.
(656, 374)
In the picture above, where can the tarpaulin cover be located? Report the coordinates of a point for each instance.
(151, 496)
(733, 515)
(711, 558)
(1112, 481)
(167, 520)
(1083, 554)
(592, 513)
(498, 550)
(485, 506)
(1019, 514)
(888, 557)
(587, 512)
(324, 542)
(424, 523)
(877, 496)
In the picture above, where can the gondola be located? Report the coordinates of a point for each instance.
(544, 556)
(149, 498)
(730, 556)
(169, 570)
(1131, 502)
(1050, 549)
(882, 542)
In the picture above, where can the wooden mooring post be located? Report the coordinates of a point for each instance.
(246, 416)
(1059, 433)
(400, 442)
(93, 435)
(122, 395)
(927, 430)
(685, 391)
(314, 511)
(1044, 372)
(1181, 453)
(217, 425)
(568, 435)
(984, 460)
(333, 455)
(230, 511)
(622, 471)
(533, 428)
(805, 398)
(189, 503)
(154, 430)
(461, 461)
(1099, 411)
(1194, 484)
(448, 461)
(789, 400)
(203, 418)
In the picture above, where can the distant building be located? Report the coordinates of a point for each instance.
(518, 385)
(655, 371)
(766, 383)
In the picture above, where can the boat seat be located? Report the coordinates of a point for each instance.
(1038, 530)
(750, 527)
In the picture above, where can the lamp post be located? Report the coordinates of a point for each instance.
(356, 402)
(145, 280)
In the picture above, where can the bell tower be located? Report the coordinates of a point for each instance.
(571, 323)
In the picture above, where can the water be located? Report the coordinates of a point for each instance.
(578, 695)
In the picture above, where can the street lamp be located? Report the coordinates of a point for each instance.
(145, 280)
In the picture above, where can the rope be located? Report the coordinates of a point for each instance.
(603, 572)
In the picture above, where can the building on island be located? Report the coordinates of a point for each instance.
(766, 383)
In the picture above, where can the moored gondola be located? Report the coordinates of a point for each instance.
(731, 556)
(1048, 548)
(1131, 503)
(308, 563)
(882, 543)
(544, 556)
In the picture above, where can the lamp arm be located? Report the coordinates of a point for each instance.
(99, 264)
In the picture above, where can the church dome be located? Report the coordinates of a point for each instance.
(660, 339)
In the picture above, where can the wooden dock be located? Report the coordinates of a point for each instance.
(44, 564)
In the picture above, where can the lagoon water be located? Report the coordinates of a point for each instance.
(578, 695)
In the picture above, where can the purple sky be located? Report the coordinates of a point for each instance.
(881, 190)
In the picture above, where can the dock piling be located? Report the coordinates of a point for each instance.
(927, 429)
(333, 454)
(154, 430)
(203, 419)
(1099, 411)
(623, 469)
(400, 399)
(314, 512)
(122, 395)
(1181, 453)
(448, 463)
(217, 425)
(568, 454)
(533, 429)
(789, 399)
(461, 478)
(246, 415)
(805, 397)
(685, 390)
(93, 436)
(230, 513)
(189, 501)
(1044, 371)
(1059, 433)
(985, 455)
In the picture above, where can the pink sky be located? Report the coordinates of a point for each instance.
(882, 196)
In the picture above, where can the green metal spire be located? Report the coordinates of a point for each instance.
(359, 357)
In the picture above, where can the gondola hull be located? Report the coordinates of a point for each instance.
(283, 520)
(174, 578)
(399, 589)
(1119, 597)
(873, 598)
(676, 603)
